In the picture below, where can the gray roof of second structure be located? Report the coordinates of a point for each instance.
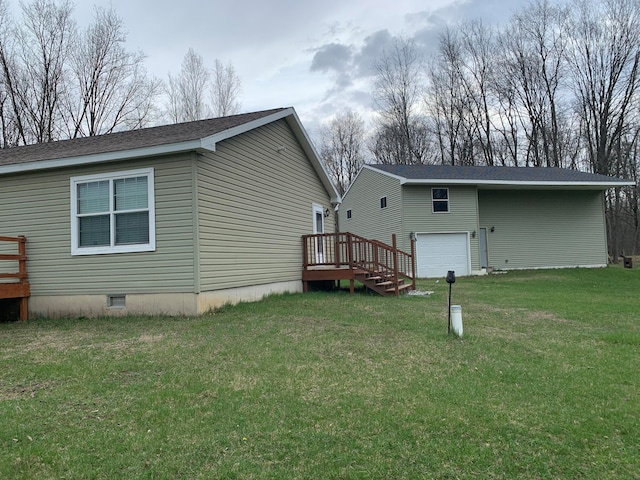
(499, 177)
(128, 140)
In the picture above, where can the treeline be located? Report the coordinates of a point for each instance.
(58, 81)
(555, 87)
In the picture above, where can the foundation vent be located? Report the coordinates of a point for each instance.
(116, 301)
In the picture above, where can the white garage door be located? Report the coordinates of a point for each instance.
(437, 253)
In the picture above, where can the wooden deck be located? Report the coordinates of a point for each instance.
(382, 268)
(15, 285)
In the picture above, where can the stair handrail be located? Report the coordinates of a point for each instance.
(346, 249)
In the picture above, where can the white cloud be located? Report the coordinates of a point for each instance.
(315, 56)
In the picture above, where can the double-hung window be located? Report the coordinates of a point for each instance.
(113, 213)
(440, 200)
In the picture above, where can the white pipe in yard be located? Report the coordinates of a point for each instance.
(456, 319)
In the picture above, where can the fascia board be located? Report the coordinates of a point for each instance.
(402, 179)
(210, 141)
(515, 183)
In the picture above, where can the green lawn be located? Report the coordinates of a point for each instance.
(544, 384)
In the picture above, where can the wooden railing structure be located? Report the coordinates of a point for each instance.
(382, 268)
(15, 285)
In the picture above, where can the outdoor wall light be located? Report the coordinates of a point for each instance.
(492, 229)
(473, 234)
(326, 213)
(412, 236)
(450, 279)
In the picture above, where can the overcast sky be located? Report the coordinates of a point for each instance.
(313, 55)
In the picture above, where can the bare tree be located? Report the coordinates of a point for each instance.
(393, 144)
(477, 74)
(187, 90)
(533, 66)
(9, 120)
(225, 90)
(342, 148)
(507, 143)
(56, 83)
(623, 204)
(449, 104)
(397, 93)
(33, 69)
(604, 58)
(112, 88)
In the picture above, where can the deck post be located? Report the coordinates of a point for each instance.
(376, 263)
(305, 252)
(414, 274)
(24, 309)
(22, 270)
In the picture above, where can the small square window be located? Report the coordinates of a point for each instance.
(440, 200)
(349, 214)
(383, 202)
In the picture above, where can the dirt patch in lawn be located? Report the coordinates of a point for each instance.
(17, 392)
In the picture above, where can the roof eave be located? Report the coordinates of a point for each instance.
(496, 184)
(153, 151)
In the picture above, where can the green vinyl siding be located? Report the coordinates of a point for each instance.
(255, 201)
(367, 218)
(37, 205)
(537, 229)
(462, 216)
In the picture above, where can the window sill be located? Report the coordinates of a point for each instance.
(111, 250)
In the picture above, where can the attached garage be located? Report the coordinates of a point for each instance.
(437, 253)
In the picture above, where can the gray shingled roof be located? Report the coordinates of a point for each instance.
(497, 175)
(129, 140)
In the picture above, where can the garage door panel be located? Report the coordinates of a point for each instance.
(437, 253)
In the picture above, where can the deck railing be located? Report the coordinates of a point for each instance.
(15, 284)
(346, 250)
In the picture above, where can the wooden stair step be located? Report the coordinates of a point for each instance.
(384, 284)
(400, 288)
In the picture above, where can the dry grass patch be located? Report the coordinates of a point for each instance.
(17, 392)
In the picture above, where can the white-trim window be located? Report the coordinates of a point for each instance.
(113, 213)
(440, 200)
(383, 202)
